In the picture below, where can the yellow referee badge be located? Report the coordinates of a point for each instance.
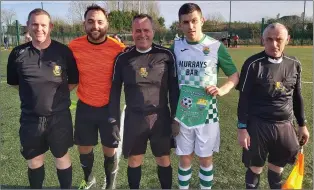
(143, 72)
(279, 86)
(57, 70)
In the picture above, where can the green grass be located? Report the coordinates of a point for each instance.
(229, 171)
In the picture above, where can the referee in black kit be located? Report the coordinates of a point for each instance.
(270, 95)
(43, 71)
(148, 72)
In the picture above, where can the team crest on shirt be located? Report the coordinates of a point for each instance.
(143, 72)
(206, 50)
(56, 70)
(279, 86)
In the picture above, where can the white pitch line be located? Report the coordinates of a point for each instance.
(119, 149)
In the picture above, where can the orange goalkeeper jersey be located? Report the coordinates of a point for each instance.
(95, 65)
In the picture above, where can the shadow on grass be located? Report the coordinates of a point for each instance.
(27, 187)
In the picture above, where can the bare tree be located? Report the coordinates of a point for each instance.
(58, 20)
(308, 19)
(8, 16)
(112, 5)
(128, 5)
(152, 8)
(148, 7)
(77, 9)
(123, 5)
(215, 18)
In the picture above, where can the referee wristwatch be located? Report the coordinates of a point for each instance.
(241, 125)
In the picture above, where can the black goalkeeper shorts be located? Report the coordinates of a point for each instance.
(140, 127)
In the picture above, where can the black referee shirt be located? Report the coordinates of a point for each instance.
(43, 77)
(148, 78)
(271, 89)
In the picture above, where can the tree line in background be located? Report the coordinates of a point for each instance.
(250, 30)
(120, 15)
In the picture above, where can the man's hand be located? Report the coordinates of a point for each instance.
(175, 128)
(303, 135)
(225, 88)
(213, 90)
(116, 132)
(244, 138)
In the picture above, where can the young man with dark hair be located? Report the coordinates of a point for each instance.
(270, 95)
(149, 74)
(44, 71)
(198, 59)
(95, 54)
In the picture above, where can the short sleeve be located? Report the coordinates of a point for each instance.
(225, 61)
(72, 71)
(12, 72)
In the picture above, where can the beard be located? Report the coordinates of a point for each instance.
(96, 34)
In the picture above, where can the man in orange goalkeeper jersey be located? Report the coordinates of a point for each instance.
(95, 54)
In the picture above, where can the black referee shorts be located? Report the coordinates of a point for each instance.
(140, 127)
(88, 121)
(277, 141)
(39, 134)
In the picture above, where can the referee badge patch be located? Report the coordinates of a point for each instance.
(143, 72)
(57, 70)
(279, 86)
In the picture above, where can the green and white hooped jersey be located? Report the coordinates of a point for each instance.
(198, 64)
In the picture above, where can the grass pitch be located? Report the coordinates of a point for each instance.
(228, 169)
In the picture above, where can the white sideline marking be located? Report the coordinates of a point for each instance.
(119, 149)
(305, 82)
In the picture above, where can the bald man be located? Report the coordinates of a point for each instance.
(270, 97)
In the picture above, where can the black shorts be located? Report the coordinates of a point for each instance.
(39, 134)
(139, 127)
(88, 121)
(278, 141)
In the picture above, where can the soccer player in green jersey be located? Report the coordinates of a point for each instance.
(199, 58)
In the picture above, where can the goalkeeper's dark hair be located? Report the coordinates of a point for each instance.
(95, 7)
(188, 8)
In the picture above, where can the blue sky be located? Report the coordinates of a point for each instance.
(241, 10)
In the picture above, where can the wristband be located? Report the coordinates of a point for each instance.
(241, 125)
(112, 121)
(303, 123)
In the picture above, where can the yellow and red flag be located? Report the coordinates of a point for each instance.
(295, 178)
